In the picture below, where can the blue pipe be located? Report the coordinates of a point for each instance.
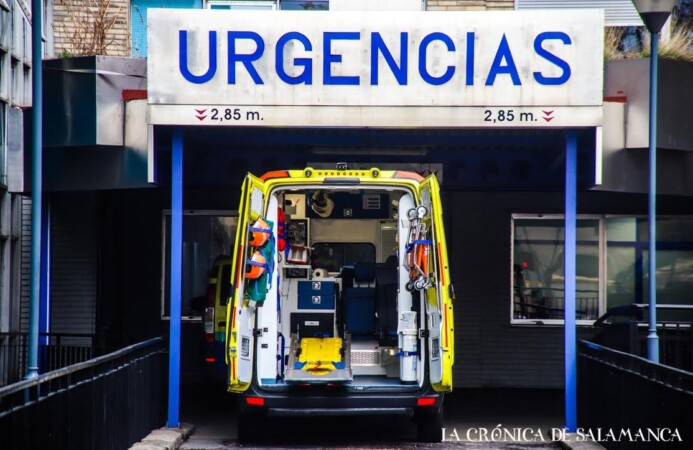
(36, 185)
(176, 273)
(569, 280)
(652, 339)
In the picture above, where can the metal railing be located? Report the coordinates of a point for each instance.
(531, 307)
(627, 393)
(109, 402)
(626, 328)
(56, 350)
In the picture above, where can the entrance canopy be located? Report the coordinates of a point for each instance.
(539, 72)
(491, 159)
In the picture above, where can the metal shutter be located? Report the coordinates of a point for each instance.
(25, 245)
(617, 13)
(73, 266)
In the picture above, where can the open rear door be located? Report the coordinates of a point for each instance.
(240, 318)
(439, 314)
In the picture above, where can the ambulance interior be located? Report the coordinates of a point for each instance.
(342, 307)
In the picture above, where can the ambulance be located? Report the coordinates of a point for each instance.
(341, 301)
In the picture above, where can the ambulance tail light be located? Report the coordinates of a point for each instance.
(425, 401)
(255, 401)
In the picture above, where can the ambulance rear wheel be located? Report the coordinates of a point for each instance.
(249, 427)
(429, 427)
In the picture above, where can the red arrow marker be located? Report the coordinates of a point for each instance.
(547, 115)
(201, 118)
(200, 111)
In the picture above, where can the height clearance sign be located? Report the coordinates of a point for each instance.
(359, 69)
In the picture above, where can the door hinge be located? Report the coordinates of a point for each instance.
(257, 332)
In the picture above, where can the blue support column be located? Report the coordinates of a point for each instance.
(569, 310)
(652, 338)
(176, 277)
(36, 185)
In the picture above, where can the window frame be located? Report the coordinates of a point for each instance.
(273, 3)
(603, 258)
(282, 2)
(601, 248)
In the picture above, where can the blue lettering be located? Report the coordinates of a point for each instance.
(470, 58)
(183, 58)
(496, 68)
(427, 77)
(550, 57)
(378, 45)
(329, 58)
(305, 77)
(245, 59)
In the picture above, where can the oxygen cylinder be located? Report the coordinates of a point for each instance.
(408, 336)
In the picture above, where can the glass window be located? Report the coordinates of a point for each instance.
(539, 269)
(302, 5)
(334, 256)
(611, 267)
(206, 235)
(622, 260)
(6, 27)
(138, 20)
(242, 5)
(17, 79)
(3, 146)
(27, 86)
(5, 74)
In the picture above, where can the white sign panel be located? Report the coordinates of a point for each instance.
(353, 69)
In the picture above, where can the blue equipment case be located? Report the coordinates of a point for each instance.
(316, 294)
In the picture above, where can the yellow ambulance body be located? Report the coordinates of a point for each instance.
(341, 297)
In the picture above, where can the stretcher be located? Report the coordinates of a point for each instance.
(418, 249)
(319, 360)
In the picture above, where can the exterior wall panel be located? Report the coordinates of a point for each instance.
(489, 351)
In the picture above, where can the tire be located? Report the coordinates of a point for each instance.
(429, 427)
(249, 427)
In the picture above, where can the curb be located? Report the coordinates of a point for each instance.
(165, 438)
(571, 443)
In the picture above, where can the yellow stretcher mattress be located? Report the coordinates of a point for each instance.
(320, 355)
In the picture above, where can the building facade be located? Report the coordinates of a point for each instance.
(107, 188)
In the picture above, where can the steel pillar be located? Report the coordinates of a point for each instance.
(176, 270)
